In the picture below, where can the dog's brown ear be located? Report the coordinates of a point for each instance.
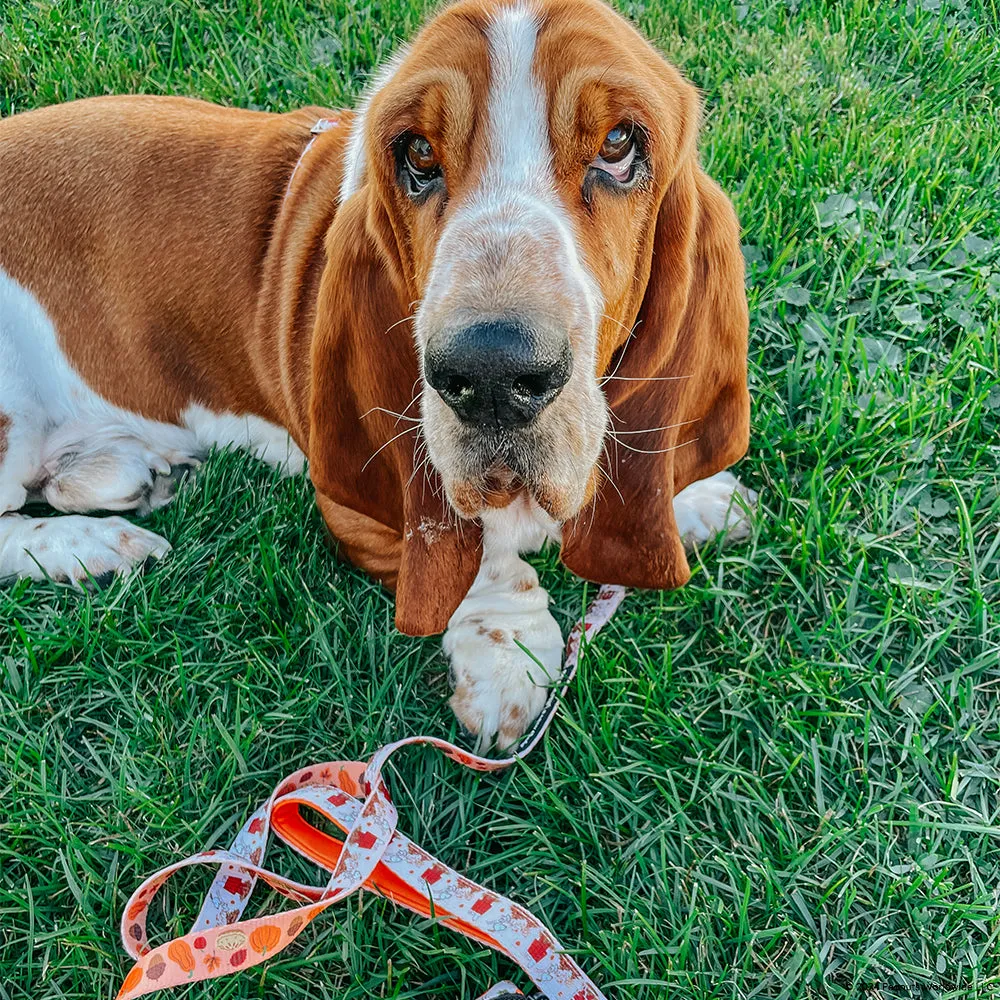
(677, 390)
(365, 457)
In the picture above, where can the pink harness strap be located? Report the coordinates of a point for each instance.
(373, 856)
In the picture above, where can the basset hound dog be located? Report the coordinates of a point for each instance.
(497, 304)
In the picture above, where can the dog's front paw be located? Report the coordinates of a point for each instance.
(720, 504)
(500, 689)
(75, 549)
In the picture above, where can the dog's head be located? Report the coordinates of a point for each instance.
(567, 283)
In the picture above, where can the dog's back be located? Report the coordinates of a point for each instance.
(133, 234)
(158, 211)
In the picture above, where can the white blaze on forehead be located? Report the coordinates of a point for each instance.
(520, 154)
(517, 192)
(509, 246)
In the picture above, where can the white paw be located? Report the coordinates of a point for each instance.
(73, 548)
(718, 504)
(499, 689)
(123, 476)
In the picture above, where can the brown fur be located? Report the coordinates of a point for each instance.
(156, 233)
(141, 224)
(4, 428)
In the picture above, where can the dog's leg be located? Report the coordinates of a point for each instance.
(708, 507)
(61, 443)
(500, 688)
(265, 441)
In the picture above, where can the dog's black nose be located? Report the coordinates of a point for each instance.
(498, 374)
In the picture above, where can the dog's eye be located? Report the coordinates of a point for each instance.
(420, 155)
(618, 144)
(419, 162)
(618, 153)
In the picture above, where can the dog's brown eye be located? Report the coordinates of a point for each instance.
(420, 154)
(419, 163)
(618, 144)
(617, 158)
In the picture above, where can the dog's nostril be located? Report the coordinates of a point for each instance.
(455, 386)
(529, 386)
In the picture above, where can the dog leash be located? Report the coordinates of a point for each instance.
(373, 856)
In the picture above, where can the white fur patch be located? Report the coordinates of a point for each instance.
(520, 162)
(499, 689)
(264, 440)
(520, 154)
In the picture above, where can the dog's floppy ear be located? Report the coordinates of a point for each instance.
(375, 493)
(681, 379)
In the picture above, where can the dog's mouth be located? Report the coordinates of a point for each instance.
(498, 487)
(501, 485)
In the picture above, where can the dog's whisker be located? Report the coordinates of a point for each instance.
(604, 449)
(650, 430)
(392, 326)
(396, 437)
(391, 413)
(642, 378)
(624, 348)
(610, 479)
(628, 329)
(614, 415)
(424, 461)
(657, 451)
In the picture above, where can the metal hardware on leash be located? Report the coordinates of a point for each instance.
(373, 856)
(321, 126)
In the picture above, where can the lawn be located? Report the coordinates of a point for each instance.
(779, 781)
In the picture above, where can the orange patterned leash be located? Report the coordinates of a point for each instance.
(374, 856)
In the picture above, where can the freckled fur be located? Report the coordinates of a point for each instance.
(5, 422)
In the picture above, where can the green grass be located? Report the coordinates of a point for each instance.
(780, 781)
